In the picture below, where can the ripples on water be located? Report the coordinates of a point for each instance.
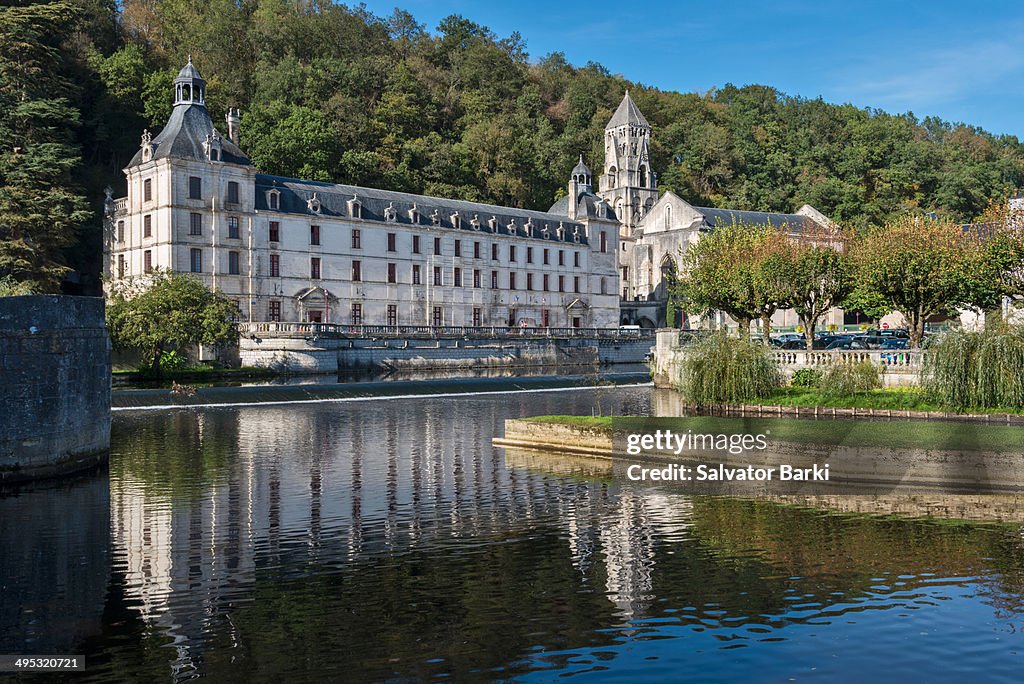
(372, 540)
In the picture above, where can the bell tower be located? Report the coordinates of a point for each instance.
(628, 184)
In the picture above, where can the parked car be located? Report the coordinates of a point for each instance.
(900, 333)
(895, 343)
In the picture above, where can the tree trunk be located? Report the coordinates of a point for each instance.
(809, 326)
(915, 323)
(744, 324)
(766, 328)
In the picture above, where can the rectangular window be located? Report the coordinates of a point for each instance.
(604, 241)
(314, 235)
(392, 242)
(511, 253)
(357, 239)
(233, 267)
(147, 190)
(546, 282)
(529, 255)
(315, 316)
(415, 274)
(274, 312)
(120, 265)
(438, 317)
(561, 283)
(561, 257)
(195, 187)
(457, 277)
(314, 268)
(392, 273)
(494, 280)
(275, 231)
(195, 224)
(415, 244)
(120, 231)
(357, 271)
(476, 250)
(576, 284)
(458, 248)
(494, 252)
(576, 322)
(547, 254)
(437, 245)
(576, 259)
(232, 192)
(357, 313)
(392, 314)
(476, 318)
(233, 227)
(529, 281)
(147, 261)
(273, 200)
(476, 277)
(196, 260)
(147, 226)
(545, 317)
(512, 280)
(437, 275)
(275, 265)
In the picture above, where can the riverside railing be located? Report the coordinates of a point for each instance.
(338, 330)
(895, 360)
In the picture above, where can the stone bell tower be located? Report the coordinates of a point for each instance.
(628, 184)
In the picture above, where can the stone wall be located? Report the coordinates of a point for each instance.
(55, 373)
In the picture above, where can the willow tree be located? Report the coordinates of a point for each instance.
(737, 268)
(922, 267)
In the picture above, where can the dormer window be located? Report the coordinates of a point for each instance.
(414, 214)
(576, 234)
(512, 227)
(390, 214)
(560, 232)
(355, 207)
(544, 232)
(435, 218)
(274, 199)
(314, 204)
(492, 223)
(528, 228)
(475, 221)
(456, 220)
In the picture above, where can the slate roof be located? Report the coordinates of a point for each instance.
(184, 134)
(586, 206)
(581, 168)
(724, 217)
(627, 113)
(295, 196)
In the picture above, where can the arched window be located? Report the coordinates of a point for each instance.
(643, 176)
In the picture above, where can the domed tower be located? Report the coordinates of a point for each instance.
(189, 86)
(628, 184)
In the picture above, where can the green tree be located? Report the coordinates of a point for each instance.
(918, 265)
(40, 206)
(820, 280)
(173, 310)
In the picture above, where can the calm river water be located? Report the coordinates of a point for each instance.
(388, 540)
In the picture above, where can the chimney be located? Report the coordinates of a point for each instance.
(233, 120)
(574, 197)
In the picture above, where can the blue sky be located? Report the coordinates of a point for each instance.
(962, 61)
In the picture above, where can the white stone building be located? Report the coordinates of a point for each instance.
(297, 250)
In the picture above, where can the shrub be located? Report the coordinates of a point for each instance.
(726, 369)
(965, 370)
(806, 377)
(843, 379)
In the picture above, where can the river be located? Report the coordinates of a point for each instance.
(386, 539)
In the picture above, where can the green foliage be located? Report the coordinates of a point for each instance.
(727, 369)
(845, 379)
(173, 360)
(972, 370)
(40, 207)
(806, 377)
(819, 278)
(174, 310)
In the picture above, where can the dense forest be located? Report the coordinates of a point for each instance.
(336, 93)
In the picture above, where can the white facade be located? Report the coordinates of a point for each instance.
(294, 250)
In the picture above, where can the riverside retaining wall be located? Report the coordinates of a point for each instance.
(55, 374)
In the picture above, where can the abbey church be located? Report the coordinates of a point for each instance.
(287, 249)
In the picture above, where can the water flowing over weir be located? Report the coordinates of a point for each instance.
(261, 394)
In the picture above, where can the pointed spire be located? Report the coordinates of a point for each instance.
(627, 113)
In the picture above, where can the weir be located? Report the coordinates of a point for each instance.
(328, 348)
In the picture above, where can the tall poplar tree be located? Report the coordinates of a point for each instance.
(40, 207)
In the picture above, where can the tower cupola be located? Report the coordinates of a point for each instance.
(581, 176)
(189, 86)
